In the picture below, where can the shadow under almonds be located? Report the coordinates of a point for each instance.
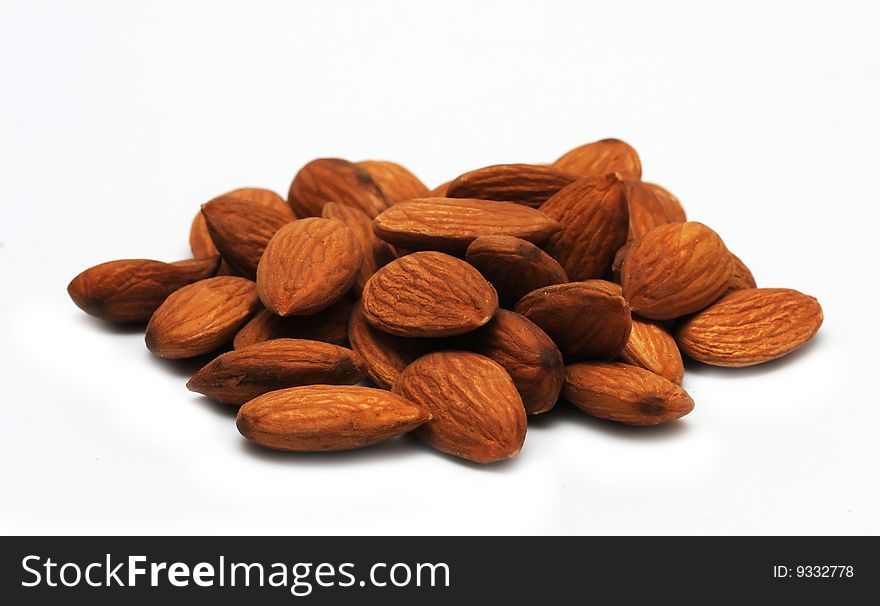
(396, 448)
(185, 368)
(565, 413)
(694, 367)
(229, 411)
(112, 328)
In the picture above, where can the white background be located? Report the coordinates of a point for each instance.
(117, 120)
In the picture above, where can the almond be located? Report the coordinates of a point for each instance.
(241, 229)
(329, 325)
(335, 180)
(601, 158)
(623, 393)
(386, 356)
(674, 270)
(651, 347)
(477, 412)
(587, 320)
(396, 182)
(201, 317)
(646, 209)
(617, 264)
(528, 184)
(674, 209)
(527, 354)
(130, 290)
(513, 266)
(376, 252)
(440, 191)
(593, 212)
(428, 294)
(750, 326)
(742, 276)
(307, 266)
(241, 375)
(450, 224)
(200, 239)
(327, 417)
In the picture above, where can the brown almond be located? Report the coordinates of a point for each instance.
(308, 266)
(376, 252)
(200, 239)
(335, 180)
(329, 325)
(241, 375)
(593, 213)
(617, 264)
(398, 183)
(385, 355)
(428, 294)
(650, 346)
(528, 184)
(671, 203)
(742, 276)
(513, 266)
(130, 290)
(317, 418)
(601, 158)
(477, 412)
(451, 224)
(241, 229)
(527, 354)
(646, 209)
(201, 317)
(440, 191)
(624, 393)
(674, 270)
(750, 326)
(587, 320)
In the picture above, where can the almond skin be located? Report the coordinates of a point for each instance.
(440, 191)
(200, 239)
(646, 209)
(428, 294)
(201, 317)
(674, 270)
(742, 276)
(451, 224)
(527, 354)
(513, 266)
(396, 181)
(241, 229)
(623, 393)
(307, 266)
(601, 158)
(335, 180)
(587, 320)
(651, 347)
(376, 252)
(130, 290)
(329, 325)
(241, 375)
(386, 356)
(477, 412)
(593, 212)
(673, 206)
(317, 418)
(750, 326)
(528, 184)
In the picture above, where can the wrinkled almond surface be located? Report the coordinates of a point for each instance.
(201, 317)
(451, 224)
(651, 347)
(674, 270)
(335, 180)
(587, 320)
(398, 183)
(601, 158)
(241, 375)
(428, 294)
(329, 325)
(307, 266)
(528, 184)
(130, 290)
(477, 412)
(624, 393)
(750, 326)
(376, 253)
(327, 417)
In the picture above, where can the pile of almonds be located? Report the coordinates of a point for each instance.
(493, 296)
